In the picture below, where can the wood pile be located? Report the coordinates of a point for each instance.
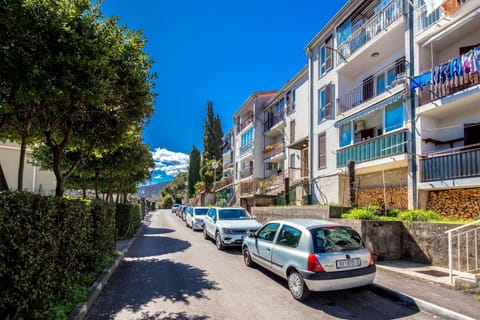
(396, 197)
(455, 203)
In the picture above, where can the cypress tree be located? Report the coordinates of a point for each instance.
(193, 170)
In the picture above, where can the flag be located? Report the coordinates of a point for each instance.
(432, 5)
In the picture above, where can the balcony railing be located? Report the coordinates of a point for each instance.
(270, 186)
(370, 29)
(245, 148)
(246, 172)
(425, 20)
(431, 89)
(273, 150)
(228, 160)
(247, 188)
(462, 162)
(372, 87)
(374, 148)
(274, 120)
(245, 123)
(222, 183)
(291, 108)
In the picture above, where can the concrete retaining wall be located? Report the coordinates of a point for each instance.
(422, 242)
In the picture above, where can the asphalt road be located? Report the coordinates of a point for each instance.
(171, 272)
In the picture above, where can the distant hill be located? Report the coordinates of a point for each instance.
(151, 191)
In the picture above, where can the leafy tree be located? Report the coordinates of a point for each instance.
(207, 171)
(212, 139)
(193, 170)
(177, 188)
(86, 83)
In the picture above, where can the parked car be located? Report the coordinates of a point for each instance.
(313, 255)
(174, 207)
(195, 216)
(179, 210)
(183, 212)
(228, 226)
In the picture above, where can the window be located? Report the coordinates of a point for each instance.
(345, 135)
(268, 232)
(325, 102)
(272, 166)
(292, 131)
(289, 236)
(326, 56)
(344, 31)
(322, 151)
(212, 213)
(335, 239)
(247, 137)
(471, 133)
(394, 116)
(381, 83)
(292, 160)
(368, 88)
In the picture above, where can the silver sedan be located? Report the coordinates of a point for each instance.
(313, 255)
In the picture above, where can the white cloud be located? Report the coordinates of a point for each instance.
(169, 163)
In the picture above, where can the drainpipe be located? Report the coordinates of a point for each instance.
(311, 124)
(413, 110)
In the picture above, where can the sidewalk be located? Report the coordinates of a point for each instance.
(425, 287)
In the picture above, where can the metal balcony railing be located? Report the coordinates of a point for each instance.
(463, 248)
(374, 148)
(372, 87)
(463, 162)
(222, 183)
(424, 20)
(273, 150)
(370, 29)
(245, 123)
(275, 119)
(245, 148)
(291, 108)
(246, 172)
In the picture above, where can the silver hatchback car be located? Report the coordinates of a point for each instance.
(313, 255)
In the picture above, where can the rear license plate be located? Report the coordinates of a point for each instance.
(348, 263)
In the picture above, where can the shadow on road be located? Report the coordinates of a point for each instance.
(149, 245)
(357, 303)
(138, 282)
(171, 316)
(149, 230)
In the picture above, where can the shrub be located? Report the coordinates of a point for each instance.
(128, 218)
(368, 213)
(49, 249)
(418, 215)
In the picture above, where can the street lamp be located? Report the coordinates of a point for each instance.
(214, 166)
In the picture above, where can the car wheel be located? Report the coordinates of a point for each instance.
(218, 241)
(247, 258)
(205, 234)
(297, 286)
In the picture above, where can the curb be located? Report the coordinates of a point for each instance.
(81, 309)
(419, 304)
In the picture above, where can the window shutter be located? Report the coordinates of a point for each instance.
(322, 151)
(328, 101)
(329, 53)
(292, 131)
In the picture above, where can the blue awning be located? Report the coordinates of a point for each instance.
(376, 106)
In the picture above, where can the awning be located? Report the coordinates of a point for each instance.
(372, 108)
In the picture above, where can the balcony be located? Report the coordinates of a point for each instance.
(375, 25)
(273, 150)
(228, 161)
(222, 183)
(374, 148)
(290, 108)
(246, 172)
(247, 188)
(462, 162)
(424, 21)
(245, 123)
(430, 90)
(270, 186)
(245, 148)
(275, 119)
(372, 87)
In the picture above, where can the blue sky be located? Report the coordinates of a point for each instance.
(219, 51)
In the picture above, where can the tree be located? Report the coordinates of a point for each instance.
(212, 139)
(177, 188)
(87, 83)
(193, 170)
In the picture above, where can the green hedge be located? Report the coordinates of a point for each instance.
(129, 218)
(49, 247)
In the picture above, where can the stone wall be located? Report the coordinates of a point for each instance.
(422, 242)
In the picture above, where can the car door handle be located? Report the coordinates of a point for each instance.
(268, 249)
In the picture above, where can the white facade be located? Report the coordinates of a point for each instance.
(34, 179)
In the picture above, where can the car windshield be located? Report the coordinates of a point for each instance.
(200, 211)
(334, 239)
(233, 214)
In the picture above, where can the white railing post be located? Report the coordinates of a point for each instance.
(450, 257)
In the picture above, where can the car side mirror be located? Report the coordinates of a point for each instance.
(252, 234)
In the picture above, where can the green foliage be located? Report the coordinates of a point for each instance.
(177, 189)
(128, 218)
(167, 201)
(50, 248)
(418, 215)
(367, 213)
(193, 170)
(212, 141)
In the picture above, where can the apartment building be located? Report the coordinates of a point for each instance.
(225, 187)
(446, 88)
(34, 179)
(249, 147)
(360, 124)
